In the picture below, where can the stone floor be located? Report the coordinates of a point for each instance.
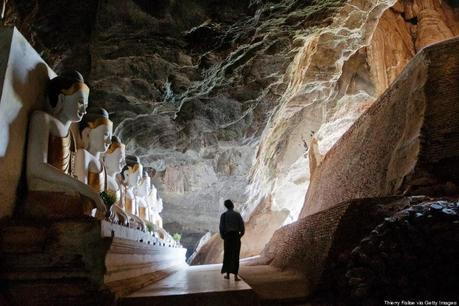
(194, 285)
(205, 285)
(275, 287)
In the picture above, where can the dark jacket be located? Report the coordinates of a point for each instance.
(231, 221)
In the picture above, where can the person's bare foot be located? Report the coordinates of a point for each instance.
(226, 276)
(236, 278)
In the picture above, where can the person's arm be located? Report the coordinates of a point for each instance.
(222, 226)
(241, 226)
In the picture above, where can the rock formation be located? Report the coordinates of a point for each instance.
(410, 154)
(424, 236)
(220, 95)
(334, 121)
(329, 88)
(234, 100)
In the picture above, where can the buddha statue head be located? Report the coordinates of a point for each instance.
(115, 156)
(132, 171)
(96, 130)
(68, 96)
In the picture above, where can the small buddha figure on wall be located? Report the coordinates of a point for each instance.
(51, 145)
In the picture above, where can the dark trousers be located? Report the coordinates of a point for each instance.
(232, 247)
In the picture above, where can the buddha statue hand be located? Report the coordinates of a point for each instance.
(101, 208)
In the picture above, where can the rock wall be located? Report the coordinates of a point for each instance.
(403, 154)
(60, 31)
(336, 75)
(191, 86)
(330, 87)
(378, 157)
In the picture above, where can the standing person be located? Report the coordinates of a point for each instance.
(231, 231)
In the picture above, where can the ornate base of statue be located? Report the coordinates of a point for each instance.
(80, 261)
(57, 205)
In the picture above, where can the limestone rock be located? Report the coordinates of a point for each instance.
(390, 156)
(408, 154)
(61, 36)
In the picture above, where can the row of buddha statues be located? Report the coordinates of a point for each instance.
(71, 150)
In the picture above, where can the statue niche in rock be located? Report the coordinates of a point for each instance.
(131, 175)
(51, 154)
(96, 133)
(114, 161)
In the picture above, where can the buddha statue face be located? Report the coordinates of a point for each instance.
(132, 172)
(68, 95)
(134, 175)
(96, 130)
(99, 138)
(74, 106)
(115, 155)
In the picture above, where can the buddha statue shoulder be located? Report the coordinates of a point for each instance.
(51, 146)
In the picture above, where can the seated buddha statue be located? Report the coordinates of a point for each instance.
(114, 160)
(51, 147)
(131, 175)
(142, 193)
(96, 132)
(154, 203)
(156, 207)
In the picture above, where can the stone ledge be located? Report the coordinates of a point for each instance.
(83, 255)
